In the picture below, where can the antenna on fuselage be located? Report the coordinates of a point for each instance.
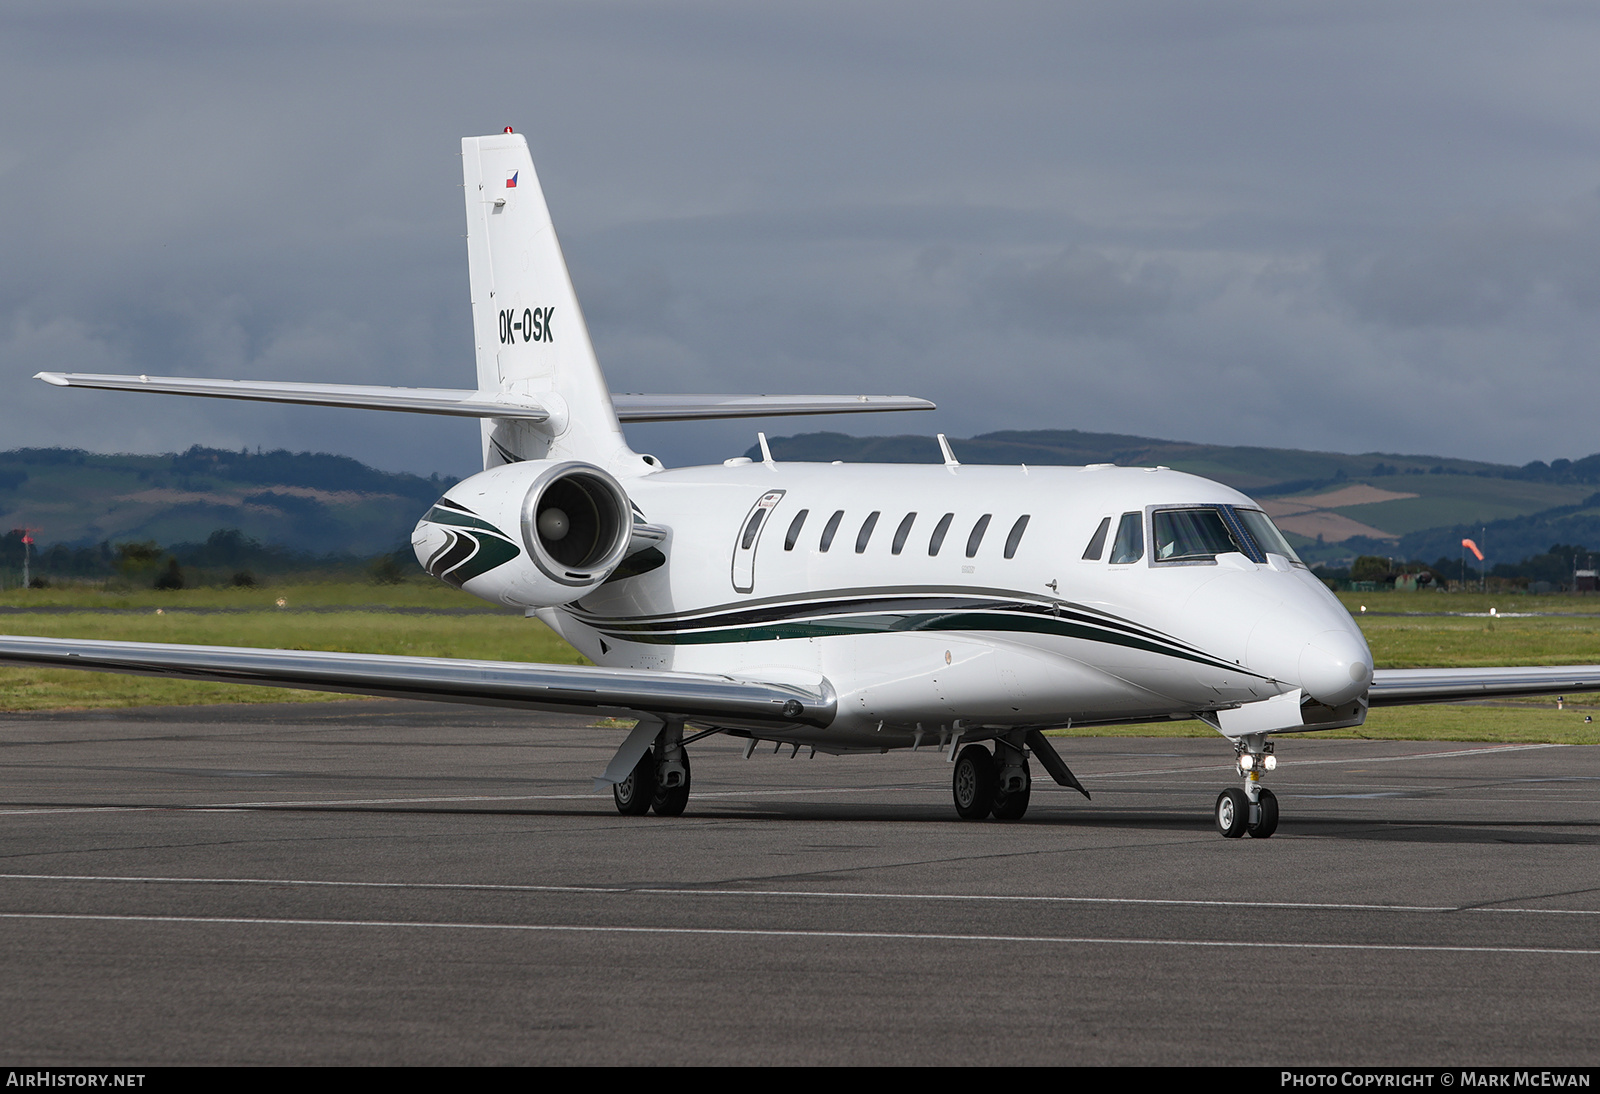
(766, 453)
(949, 456)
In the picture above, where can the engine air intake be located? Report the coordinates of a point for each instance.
(576, 523)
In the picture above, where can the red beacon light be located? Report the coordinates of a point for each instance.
(508, 129)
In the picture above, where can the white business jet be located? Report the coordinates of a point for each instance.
(832, 607)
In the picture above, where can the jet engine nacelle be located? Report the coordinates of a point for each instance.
(534, 534)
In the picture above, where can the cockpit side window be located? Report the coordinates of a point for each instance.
(1266, 534)
(1129, 544)
(1193, 535)
(1097, 542)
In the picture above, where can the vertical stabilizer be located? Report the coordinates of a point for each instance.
(530, 335)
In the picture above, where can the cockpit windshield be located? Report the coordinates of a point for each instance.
(1193, 535)
(1200, 533)
(1266, 534)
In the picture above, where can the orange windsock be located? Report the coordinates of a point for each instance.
(1473, 547)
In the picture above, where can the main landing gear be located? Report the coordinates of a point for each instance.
(998, 784)
(659, 781)
(1255, 808)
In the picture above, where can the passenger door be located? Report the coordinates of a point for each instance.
(744, 548)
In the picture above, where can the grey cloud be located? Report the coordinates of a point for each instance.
(1240, 220)
(1081, 289)
(1475, 272)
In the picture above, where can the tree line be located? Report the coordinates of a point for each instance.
(226, 557)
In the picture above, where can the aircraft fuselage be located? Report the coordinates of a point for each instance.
(933, 599)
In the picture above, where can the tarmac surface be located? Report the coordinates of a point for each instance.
(410, 883)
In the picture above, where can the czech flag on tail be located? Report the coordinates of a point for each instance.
(511, 183)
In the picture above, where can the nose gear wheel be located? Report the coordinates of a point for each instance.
(1232, 812)
(1266, 819)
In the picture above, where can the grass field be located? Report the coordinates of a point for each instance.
(1404, 630)
(412, 620)
(428, 594)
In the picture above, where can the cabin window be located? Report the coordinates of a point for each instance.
(866, 530)
(829, 529)
(1192, 535)
(795, 525)
(1015, 536)
(901, 533)
(936, 540)
(1266, 534)
(751, 529)
(1129, 544)
(1097, 542)
(977, 534)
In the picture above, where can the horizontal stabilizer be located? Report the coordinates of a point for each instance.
(679, 408)
(486, 404)
(417, 400)
(701, 697)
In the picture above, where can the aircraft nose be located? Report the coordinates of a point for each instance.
(1335, 667)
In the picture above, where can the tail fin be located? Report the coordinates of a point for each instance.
(530, 335)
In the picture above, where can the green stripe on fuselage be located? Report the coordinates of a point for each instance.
(886, 624)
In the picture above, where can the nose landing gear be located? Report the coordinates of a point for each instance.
(1255, 808)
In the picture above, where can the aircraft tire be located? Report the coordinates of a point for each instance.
(1268, 823)
(669, 801)
(1010, 807)
(1232, 812)
(635, 794)
(973, 783)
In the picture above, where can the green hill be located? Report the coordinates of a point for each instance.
(308, 502)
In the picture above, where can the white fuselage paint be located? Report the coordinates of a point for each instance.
(944, 642)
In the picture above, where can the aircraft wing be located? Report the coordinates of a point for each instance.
(724, 701)
(1393, 687)
(465, 403)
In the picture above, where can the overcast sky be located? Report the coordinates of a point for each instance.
(1348, 226)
